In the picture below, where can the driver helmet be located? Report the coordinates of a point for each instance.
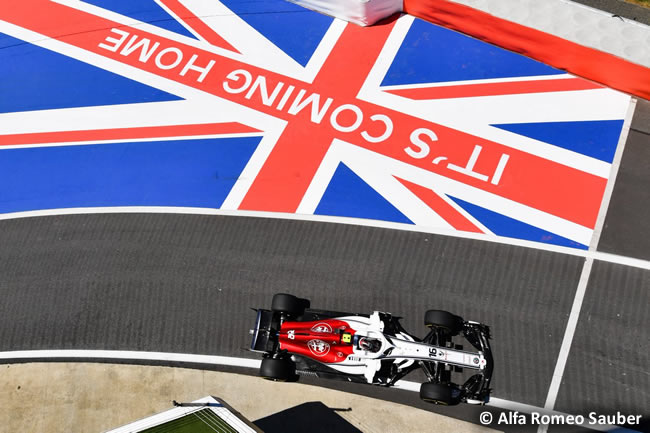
(369, 344)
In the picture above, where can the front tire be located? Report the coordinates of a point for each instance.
(436, 393)
(443, 319)
(289, 304)
(277, 369)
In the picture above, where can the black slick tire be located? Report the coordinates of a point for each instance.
(277, 369)
(436, 393)
(288, 304)
(443, 319)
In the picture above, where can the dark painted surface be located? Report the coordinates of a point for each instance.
(608, 363)
(626, 231)
(175, 283)
(641, 119)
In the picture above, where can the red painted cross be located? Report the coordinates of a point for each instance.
(286, 174)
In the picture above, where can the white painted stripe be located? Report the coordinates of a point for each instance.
(376, 177)
(574, 315)
(372, 84)
(610, 258)
(325, 47)
(364, 160)
(616, 164)
(131, 356)
(26, 355)
(582, 105)
(512, 406)
(539, 148)
(476, 115)
(567, 340)
(147, 114)
(180, 20)
(159, 418)
(93, 59)
(212, 105)
(483, 81)
(253, 167)
(255, 48)
(124, 20)
(130, 140)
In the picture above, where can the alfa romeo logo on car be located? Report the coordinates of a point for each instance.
(321, 327)
(318, 347)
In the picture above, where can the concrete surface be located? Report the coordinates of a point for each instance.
(79, 397)
(582, 24)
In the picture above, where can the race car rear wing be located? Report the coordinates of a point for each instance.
(262, 332)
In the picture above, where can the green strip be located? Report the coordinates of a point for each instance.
(202, 421)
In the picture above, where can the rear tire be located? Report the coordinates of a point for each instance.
(289, 304)
(277, 369)
(443, 319)
(436, 393)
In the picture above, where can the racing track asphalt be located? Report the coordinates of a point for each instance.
(183, 283)
(608, 364)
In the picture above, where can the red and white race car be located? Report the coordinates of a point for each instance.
(372, 348)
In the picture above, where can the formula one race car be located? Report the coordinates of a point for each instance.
(372, 348)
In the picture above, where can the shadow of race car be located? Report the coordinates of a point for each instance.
(372, 349)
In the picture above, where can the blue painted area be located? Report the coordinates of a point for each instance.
(502, 225)
(597, 138)
(294, 29)
(195, 173)
(7, 41)
(348, 195)
(452, 56)
(33, 78)
(147, 11)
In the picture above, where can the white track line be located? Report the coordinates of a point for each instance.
(616, 164)
(567, 340)
(108, 355)
(576, 307)
(24, 355)
(596, 255)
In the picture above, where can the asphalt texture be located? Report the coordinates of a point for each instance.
(620, 8)
(626, 231)
(184, 283)
(608, 362)
(176, 283)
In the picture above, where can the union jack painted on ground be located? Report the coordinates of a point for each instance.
(267, 106)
